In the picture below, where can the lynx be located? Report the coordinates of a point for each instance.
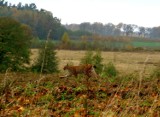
(86, 69)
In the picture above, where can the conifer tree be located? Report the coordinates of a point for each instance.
(14, 44)
(47, 61)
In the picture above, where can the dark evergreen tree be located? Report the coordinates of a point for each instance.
(47, 61)
(14, 44)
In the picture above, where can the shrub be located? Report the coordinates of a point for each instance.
(109, 70)
(97, 61)
(94, 59)
(88, 58)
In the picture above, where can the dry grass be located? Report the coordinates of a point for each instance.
(124, 61)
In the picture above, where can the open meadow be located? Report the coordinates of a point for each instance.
(125, 62)
(133, 93)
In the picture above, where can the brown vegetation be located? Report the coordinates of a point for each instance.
(29, 95)
(128, 94)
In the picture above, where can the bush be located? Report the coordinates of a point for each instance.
(96, 59)
(109, 70)
(88, 58)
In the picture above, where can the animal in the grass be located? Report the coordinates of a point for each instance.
(86, 69)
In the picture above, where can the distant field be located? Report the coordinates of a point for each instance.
(108, 45)
(153, 45)
(125, 62)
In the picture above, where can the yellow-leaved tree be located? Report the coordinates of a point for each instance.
(65, 40)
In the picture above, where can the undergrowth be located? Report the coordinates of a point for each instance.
(53, 96)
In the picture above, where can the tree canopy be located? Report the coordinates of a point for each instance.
(40, 21)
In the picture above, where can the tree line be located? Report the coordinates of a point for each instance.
(116, 30)
(40, 21)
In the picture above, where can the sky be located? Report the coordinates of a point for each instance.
(140, 12)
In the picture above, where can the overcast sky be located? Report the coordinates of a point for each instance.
(139, 12)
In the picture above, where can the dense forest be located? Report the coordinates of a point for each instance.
(41, 21)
